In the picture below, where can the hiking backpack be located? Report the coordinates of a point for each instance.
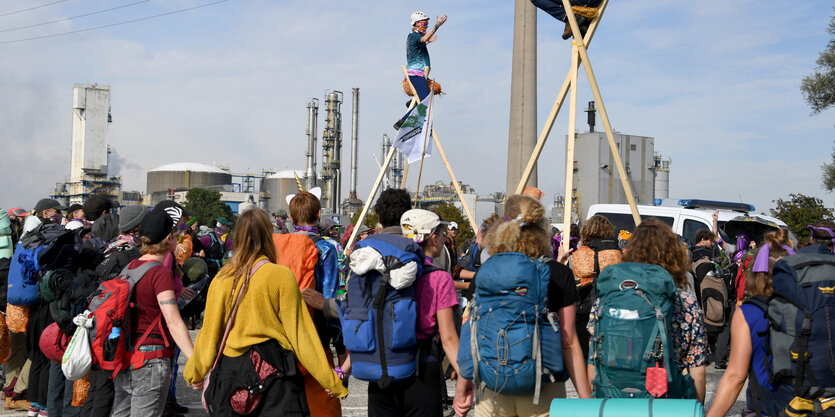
(110, 308)
(378, 317)
(588, 293)
(712, 292)
(514, 340)
(801, 336)
(633, 333)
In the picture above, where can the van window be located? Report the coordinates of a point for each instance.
(625, 221)
(690, 229)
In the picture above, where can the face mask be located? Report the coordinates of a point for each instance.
(221, 230)
(421, 26)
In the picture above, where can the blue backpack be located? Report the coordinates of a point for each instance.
(514, 339)
(378, 317)
(24, 273)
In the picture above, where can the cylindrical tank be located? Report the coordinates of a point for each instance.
(662, 180)
(312, 116)
(183, 175)
(278, 186)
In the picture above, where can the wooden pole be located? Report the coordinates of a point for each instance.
(425, 143)
(555, 110)
(405, 174)
(569, 150)
(455, 182)
(603, 115)
(374, 189)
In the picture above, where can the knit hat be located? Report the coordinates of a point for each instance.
(156, 226)
(131, 216)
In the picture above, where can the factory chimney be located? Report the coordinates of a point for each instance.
(355, 118)
(332, 153)
(312, 115)
(591, 112)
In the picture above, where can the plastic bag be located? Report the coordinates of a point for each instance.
(17, 317)
(77, 358)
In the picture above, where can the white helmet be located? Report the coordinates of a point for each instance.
(418, 16)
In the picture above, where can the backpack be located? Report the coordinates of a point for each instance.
(514, 339)
(801, 316)
(588, 293)
(468, 259)
(712, 292)
(24, 274)
(110, 308)
(378, 317)
(6, 236)
(633, 333)
(215, 249)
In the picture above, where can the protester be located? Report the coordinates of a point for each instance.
(598, 250)
(654, 243)
(75, 217)
(417, 55)
(750, 353)
(583, 10)
(143, 388)
(271, 322)
(822, 237)
(216, 244)
(527, 233)
(105, 224)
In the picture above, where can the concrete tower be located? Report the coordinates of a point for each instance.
(522, 137)
(91, 111)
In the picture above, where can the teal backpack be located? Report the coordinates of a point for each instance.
(633, 333)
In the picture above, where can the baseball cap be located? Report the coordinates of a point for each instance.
(416, 224)
(224, 221)
(18, 212)
(453, 225)
(74, 207)
(327, 224)
(156, 226)
(48, 203)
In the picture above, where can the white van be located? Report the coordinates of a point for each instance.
(686, 218)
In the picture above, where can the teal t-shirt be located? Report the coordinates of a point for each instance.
(417, 56)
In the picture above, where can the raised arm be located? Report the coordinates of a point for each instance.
(430, 37)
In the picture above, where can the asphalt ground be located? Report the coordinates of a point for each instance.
(355, 404)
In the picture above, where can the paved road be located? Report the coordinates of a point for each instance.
(356, 403)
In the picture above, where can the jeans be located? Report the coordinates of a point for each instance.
(555, 9)
(59, 396)
(143, 391)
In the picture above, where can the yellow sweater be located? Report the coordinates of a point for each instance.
(272, 308)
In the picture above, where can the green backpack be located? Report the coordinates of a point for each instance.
(633, 333)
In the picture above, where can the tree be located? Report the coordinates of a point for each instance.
(800, 211)
(207, 206)
(829, 174)
(449, 213)
(370, 219)
(819, 87)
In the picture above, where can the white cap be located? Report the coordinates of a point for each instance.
(453, 225)
(416, 224)
(418, 16)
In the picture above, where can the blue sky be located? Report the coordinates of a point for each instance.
(716, 83)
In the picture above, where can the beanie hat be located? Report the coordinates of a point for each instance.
(130, 217)
(194, 269)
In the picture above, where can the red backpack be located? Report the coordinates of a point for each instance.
(110, 307)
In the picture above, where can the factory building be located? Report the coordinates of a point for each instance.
(276, 186)
(164, 180)
(89, 153)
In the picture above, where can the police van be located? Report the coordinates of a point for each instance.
(686, 217)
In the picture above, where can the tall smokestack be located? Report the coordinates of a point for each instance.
(591, 112)
(312, 115)
(355, 118)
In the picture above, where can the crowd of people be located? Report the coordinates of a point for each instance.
(290, 311)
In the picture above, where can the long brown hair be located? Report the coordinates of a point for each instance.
(596, 227)
(253, 239)
(526, 232)
(759, 283)
(653, 242)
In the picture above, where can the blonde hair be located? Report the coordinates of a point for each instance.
(253, 239)
(159, 248)
(526, 232)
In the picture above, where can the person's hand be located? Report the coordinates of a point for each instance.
(463, 401)
(313, 298)
(201, 254)
(440, 20)
(197, 386)
(187, 294)
(563, 252)
(348, 252)
(716, 215)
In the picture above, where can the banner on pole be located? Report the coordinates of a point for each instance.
(415, 132)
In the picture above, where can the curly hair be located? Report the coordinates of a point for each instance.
(526, 233)
(653, 242)
(759, 283)
(596, 227)
(391, 205)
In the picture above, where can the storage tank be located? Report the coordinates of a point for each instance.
(279, 185)
(183, 175)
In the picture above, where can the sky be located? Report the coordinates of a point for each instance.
(716, 83)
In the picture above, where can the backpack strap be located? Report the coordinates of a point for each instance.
(803, 359)
(660, 331)
(379, 304)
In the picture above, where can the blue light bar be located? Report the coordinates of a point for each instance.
(722, 205)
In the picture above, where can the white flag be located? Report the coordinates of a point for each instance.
(415, 133)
